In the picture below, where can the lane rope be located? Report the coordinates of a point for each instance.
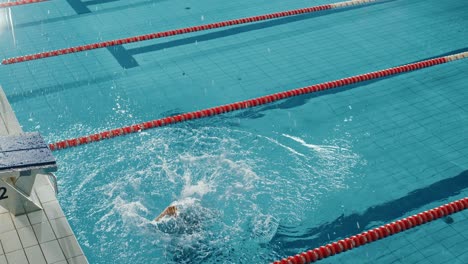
(375, 234)
(186, 30)
(267, 99)
(20, 2)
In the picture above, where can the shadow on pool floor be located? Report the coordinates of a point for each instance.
(345, 226)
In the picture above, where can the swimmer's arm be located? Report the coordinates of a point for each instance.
(164, 213)
(169, 211)
(160, 216)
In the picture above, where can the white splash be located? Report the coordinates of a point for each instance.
(230, 175)
(12, 27)
(283, 146)
(200, 188)
(318, 148)
(165, 167)
(186, 202)
(88, 178)
(264, 227)
(128, 212)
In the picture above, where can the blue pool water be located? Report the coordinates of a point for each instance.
(259, 184)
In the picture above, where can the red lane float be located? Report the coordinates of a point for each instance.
(252, 102)
(182, 31)
(376, 233)
(20, 2)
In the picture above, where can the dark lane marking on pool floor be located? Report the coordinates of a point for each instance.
(81, 7)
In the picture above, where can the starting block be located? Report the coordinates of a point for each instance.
(22, 157)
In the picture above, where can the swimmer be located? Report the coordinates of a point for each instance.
(170, 211)
(183, 217)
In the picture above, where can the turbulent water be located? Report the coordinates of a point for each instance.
(234, 188)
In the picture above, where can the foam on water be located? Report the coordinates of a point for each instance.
(199, 189)
(323, 148)
(232, 196)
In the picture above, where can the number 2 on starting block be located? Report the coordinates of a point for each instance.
(3, 192)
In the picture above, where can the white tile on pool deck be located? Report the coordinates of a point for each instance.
(44, 232)
(10, 241)
(21, 221)
(27, 236)
(52, 251)
(35, 253)
(52, 209)
(7, 224)
(61, 227)
(41, 237)
(17, 257)
(77, 260)
(70, 246)
(37, 217)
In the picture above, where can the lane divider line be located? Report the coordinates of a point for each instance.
(267, 99)
(375, 234)
(186, 30)
(20, 2)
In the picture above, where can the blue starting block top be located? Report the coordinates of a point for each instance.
(25, 152)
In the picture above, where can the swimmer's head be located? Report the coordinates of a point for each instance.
(187, 216)
(171, 210)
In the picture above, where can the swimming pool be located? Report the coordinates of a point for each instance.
(270, 181)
